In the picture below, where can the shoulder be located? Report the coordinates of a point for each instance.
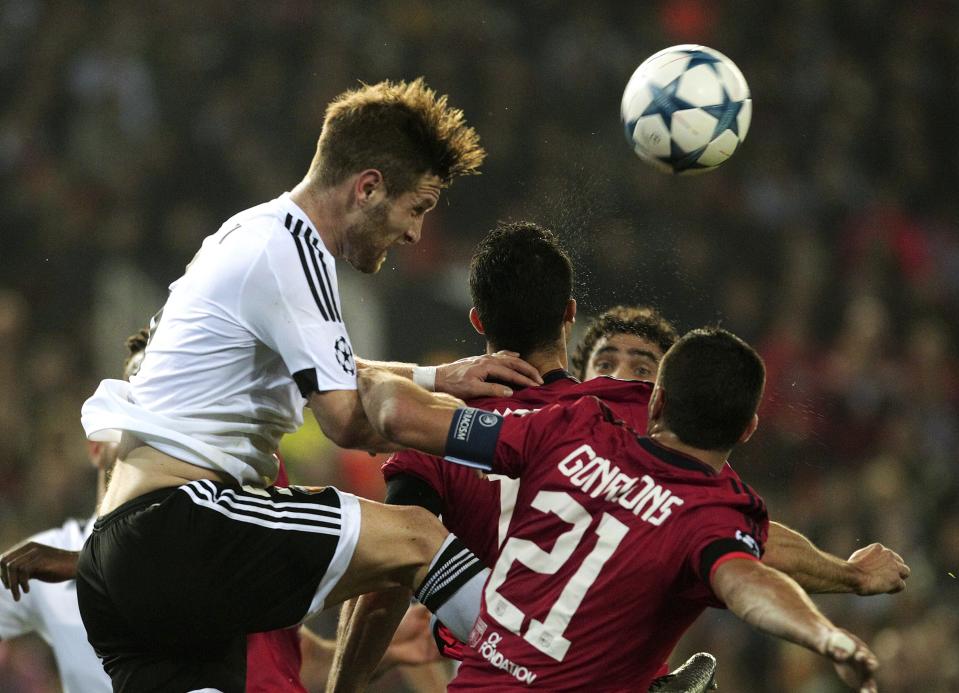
(614, 389)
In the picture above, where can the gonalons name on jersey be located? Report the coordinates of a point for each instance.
(598, 476)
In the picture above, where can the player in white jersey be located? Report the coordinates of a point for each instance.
(191, 552)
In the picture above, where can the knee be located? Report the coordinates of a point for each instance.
(426, 534)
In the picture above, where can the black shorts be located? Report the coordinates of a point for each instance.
(170, 583)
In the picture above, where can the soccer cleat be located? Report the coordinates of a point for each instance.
(697, 675)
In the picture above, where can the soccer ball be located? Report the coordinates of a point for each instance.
(686, 109)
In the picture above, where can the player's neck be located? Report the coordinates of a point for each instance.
(543, 360)
(668, 439)
(322, 208)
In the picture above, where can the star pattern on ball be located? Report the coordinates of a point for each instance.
(726, 115)
(665, 102)
(702, 58)
(344, 356)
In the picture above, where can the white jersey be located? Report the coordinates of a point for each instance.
(51, 611)
(252, 327)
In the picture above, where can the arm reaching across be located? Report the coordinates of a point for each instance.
(469, 377)
(772, 602)
(870, 570)
(343, 419)
(405, 413)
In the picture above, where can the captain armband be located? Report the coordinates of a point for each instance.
(472, 438)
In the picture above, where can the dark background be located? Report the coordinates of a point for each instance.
(129, 131)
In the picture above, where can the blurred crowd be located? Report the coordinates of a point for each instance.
(129, 131)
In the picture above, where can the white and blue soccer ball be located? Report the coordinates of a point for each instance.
(686, 109)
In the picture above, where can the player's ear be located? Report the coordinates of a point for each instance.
(475, 320)
(369, 186)
(750, 429)
(570, 314)
(657, 400)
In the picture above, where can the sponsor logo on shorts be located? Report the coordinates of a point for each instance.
(488, 651)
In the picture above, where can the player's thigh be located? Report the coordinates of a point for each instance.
(394, 549)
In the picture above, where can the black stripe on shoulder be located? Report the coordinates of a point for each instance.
(302, 252)
(326, 288)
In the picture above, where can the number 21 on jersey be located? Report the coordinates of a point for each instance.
(547, 635)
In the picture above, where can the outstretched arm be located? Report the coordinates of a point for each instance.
(870, 570)
(772, 602)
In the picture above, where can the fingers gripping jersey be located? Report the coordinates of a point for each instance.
(252, 327)
(611, 533)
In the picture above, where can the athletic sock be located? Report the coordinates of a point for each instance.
(453, 587)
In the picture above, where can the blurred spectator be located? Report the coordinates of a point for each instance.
(831, 239)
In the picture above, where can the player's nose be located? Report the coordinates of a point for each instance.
(414, 232)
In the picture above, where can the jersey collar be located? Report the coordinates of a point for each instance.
(675, 458)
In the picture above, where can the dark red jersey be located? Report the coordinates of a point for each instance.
(476, 508)
(608, 556)
(273, 658)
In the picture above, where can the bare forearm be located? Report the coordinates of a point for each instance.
(366, 628)
(815, 570)
(403, 370)
(404, 413)
(772, 602)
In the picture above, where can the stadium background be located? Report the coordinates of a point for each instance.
(128, 131)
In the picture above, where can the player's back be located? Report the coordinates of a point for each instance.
(607, 558)
(478, 509)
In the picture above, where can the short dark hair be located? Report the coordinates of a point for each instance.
(642, 321)
(521, 280)
(403, 129)
(713, 382)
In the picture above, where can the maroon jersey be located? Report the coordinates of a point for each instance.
(477, 509)
(612, 544)
(273, 658)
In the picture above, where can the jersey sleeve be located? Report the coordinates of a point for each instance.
(290, 303)
(721, 533)
(426, 467)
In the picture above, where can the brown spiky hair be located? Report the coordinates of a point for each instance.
(642, 321)
(402, 129)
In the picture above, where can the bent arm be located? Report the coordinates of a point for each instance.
(872, 570)
(405, 413)
(31, 560)
(342, 419)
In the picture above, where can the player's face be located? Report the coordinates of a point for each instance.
(393, 221)
(624, 356)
